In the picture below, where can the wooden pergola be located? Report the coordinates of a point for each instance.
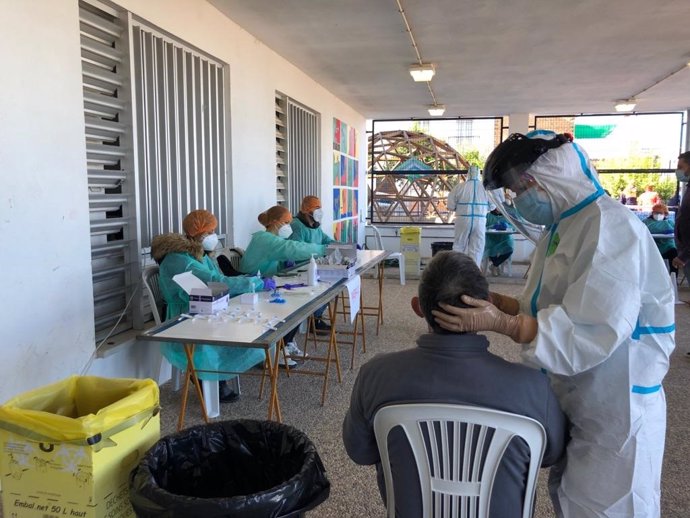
(411, 175)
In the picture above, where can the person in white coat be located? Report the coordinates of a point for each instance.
(471, 203)
(597, 314)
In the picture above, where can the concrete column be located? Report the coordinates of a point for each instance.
(519, 123)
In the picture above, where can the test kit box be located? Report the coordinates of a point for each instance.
(348, 250)
(331, 272)
(210, 299)
(83, 469)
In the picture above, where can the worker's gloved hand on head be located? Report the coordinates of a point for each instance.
(484, 316)
(269, 284)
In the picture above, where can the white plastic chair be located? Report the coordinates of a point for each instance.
(211, 397)
(395, 255)
(446, 482)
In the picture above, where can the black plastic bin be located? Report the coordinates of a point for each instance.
(437, 246)
(241, 468)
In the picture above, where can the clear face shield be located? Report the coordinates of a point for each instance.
(523, 206)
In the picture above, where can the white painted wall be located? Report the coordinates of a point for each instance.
(46, 315)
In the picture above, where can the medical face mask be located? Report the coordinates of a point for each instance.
(317, 215)
(658, 217)
(210, 242)
(680, 175)
(535, 206)
(285, 231)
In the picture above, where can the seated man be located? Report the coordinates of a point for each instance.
(454, 368)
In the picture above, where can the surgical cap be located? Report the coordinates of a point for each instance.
(199, 222)
(660, 208)
(310, 204)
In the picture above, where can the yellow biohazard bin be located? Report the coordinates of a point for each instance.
(410, 242)
(67, 449)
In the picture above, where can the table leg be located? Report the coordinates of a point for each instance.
(379, 317)
(190, 373)
(273, 403)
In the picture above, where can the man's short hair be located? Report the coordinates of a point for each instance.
(447, 277)
(685, 156)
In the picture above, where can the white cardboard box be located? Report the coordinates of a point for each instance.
(209, 300)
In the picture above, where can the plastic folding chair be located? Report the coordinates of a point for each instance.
(211, 397)
(457, 450)
(395, 255)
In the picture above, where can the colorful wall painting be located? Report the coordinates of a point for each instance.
(345, 182)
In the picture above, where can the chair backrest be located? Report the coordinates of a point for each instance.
(435, 431)
(377, 237)
(233, 257)
(150, 278)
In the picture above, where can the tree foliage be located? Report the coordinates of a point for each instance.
(616, 183)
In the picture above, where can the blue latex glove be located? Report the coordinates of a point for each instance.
(289, 264)
(500, 226)
(269, 284)
(359, 247)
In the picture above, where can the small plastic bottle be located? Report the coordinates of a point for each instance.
(312, 278)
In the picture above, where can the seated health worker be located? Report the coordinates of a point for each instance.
(455, 368)
(498, 247)
(306, 228)
(177, 253)
(269, 249)
(658, 223)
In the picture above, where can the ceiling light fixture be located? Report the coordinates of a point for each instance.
(625, 105)
(422, 71)
(436, 110)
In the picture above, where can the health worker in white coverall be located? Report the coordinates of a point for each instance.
(470, 202)
(597, 315)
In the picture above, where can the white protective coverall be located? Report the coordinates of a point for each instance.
(470, 203)
(605, 310)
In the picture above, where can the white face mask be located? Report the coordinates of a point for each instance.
(285, 231)
(681, 176)
(317, 215)
(210, 242)
(658, 217)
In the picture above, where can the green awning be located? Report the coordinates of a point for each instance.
(593, 130)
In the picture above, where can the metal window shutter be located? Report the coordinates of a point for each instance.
(109, 166)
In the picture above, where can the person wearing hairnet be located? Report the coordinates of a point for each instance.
(658, 223)
(597, 314)
(271, 247)
(177, 253)
(470, 202)
(268, 248)
(306, 228)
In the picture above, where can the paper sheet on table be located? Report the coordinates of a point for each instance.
(188, 281)
(354, 286)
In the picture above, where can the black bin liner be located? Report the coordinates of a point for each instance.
(437, 246)
(240, 468)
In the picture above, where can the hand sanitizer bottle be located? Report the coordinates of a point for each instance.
(312, 279)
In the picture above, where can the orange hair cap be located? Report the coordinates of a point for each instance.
(661, 208)
(310, 204)
(199, 222)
